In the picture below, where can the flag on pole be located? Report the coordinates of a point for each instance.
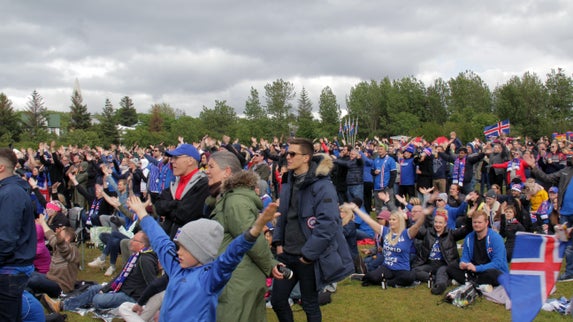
(533, 271)
(496, 129)
(351, 128)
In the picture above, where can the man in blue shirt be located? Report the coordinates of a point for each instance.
(384, 172)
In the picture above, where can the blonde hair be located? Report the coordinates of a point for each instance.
(401, 217)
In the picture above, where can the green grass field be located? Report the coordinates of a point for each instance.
(352, 302)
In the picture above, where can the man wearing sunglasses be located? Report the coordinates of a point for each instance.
(308, 234)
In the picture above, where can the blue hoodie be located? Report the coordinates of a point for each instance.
(193, 293)
(17, 227)
(495, 252)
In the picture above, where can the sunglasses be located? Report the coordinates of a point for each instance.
(292, 154)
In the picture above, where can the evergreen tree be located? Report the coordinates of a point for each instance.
(305, 120)
(79, 116)
(36, 115)
(220, 120)
(156, 121)
(9, 125)
(109, 123)
(127, 114)
(253, 108)
(278, 96)
(329, 112)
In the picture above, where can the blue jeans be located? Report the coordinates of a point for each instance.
(569, 250)
(11, 290)
(99, 300)
(32, 309)
(112, 242)
(39, 283)
(356, 191)
(304, 274)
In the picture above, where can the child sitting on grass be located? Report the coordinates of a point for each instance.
(196, 275)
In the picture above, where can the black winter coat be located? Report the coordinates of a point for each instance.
(447, 242)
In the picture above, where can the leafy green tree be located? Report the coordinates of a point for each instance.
(80, 118)
(127, 114)
(560, 90)
(305, 120)
(523, 101)
(278, 97)
(403, 123)
(9, 123)
(35, 116)
(329, 112)
(368, 103)
(468, 95)
(410, 96)
(436, 96)
(219, 120)
(190, 128)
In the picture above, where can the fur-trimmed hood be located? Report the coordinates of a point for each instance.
(320, 167)
(244, 179)
(324, 164)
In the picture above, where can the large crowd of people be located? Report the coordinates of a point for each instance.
(183, 217)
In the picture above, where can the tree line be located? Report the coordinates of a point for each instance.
(405, 106)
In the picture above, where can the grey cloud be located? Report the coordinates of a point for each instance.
(190, 53)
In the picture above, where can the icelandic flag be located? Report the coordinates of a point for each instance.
(533, 271)
(496, 129)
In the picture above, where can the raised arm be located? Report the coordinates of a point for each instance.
(413, 230)
(367, 219)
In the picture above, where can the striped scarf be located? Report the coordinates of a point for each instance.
(459, 171)
(118, 282)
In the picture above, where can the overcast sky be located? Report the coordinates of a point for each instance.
(190, 53)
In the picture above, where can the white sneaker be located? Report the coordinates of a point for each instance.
(97, 263)
(110, 270)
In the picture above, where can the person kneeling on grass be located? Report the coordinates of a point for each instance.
(196, 275)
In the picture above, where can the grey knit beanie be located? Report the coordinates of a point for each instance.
(201, 238)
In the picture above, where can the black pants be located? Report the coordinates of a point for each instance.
(486, 277)
(393, 278)
(303, 274)
(437, 268)
(368, 188)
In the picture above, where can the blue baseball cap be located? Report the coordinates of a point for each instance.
(185, 149)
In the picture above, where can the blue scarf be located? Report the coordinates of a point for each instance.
(459, 170)
(118, 282)
(512, 167)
